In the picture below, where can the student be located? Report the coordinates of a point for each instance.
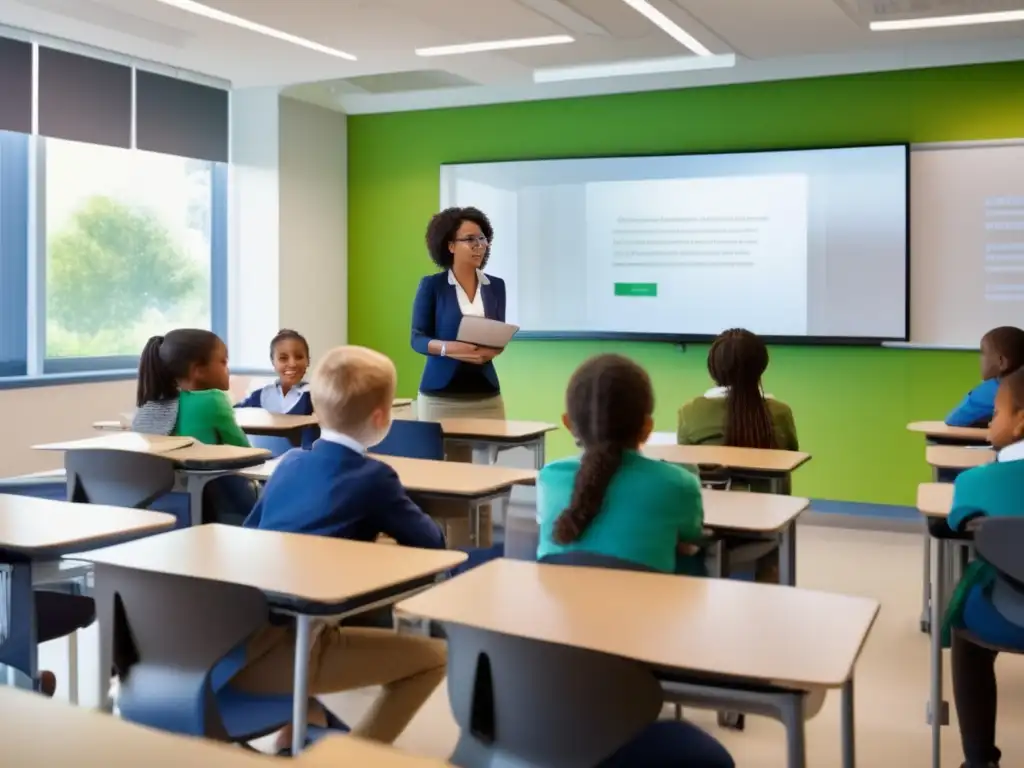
(289, 353)
(995, 490)
(736, 412)
(183, 378)
(611, 500)
(335, 489)
(1002, 353)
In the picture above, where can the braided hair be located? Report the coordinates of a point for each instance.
(737, 360)
(609, 402)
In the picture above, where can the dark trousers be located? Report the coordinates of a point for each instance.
(58, 614)
(974, 690)
(228, 500)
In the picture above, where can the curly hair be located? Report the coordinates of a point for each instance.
(442, 229)
(609, 400)
(736, 360)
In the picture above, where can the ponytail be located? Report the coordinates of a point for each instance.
(597, 467)
(156, 382)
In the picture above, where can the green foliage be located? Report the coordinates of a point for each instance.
(111, 266)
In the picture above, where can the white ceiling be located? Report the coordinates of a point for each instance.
(772, 39)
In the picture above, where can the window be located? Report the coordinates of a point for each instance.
(13, 253)
(129, 248)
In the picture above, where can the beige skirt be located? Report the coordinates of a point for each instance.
(428, 408)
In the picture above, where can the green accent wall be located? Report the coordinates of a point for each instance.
(851, 404)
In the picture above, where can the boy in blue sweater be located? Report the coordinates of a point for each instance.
(978, 604)
(1002, 353)
(335, 489)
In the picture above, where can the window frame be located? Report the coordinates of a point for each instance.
(128, 364)
(14, 253)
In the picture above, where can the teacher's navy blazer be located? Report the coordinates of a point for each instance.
(436, 315)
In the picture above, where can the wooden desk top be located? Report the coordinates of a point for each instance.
(783, 635)
(258, 419)
(180, 450)
(494, 429)
(41, 526)
(751, 459)
(315, 569)
(753, 512)
(935, 499)
(958, 456)
(121, 441)
(446, 478)
(91, 738)
(940, 430)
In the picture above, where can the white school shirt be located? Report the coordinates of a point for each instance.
(1012, 452)
(476, 306)
(274, 400)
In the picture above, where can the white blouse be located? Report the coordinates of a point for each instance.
(476, 306)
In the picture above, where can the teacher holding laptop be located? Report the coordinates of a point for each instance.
(459, 379)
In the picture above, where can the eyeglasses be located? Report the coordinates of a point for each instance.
(472, 241)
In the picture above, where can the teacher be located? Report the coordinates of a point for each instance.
(459, 378)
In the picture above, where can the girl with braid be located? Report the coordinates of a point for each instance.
(737, 413)
(611, 500)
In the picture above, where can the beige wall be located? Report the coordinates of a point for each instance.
(47, 414)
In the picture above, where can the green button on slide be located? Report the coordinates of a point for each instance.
(636, 289)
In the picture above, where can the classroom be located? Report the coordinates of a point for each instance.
(687, 294)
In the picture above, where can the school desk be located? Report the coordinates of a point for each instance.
(36, 731)
(468, 485)
(488, 437)
(958, 456)
(940, 432)
(208, 570)
(132, 470)
(34, 535)
(773, 465)
(934, 501)
(764, 514)
(719, 644)
(257, 421)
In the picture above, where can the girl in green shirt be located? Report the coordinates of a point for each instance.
(612, 500)
(183, 380)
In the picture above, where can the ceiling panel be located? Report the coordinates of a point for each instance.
(761, 29)
(614, 15)
(592, 50)
(467, 21)
(895, 9)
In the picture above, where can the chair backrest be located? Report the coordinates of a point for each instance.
(1000, 541)
(413, 440)
(592, 560)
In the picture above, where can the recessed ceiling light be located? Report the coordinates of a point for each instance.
(494, 45)
(237, 21)
(670, 28)
(962, 20)
(637, 67)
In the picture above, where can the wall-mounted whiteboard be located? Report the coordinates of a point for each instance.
(966, 241)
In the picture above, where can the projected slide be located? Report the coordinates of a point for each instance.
(656, 246)
(791, 244)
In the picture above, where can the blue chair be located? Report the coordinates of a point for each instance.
(413, 440)
(278, 446)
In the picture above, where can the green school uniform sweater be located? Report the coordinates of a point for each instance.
(702, 422)
(649, 507)
(209, 418)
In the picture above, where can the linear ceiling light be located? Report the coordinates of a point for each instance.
(237, 21)
(670, 28)
(962, 20)
(494, 45)
(637, 67)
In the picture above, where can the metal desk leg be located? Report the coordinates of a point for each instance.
(474, 521)
(787, 555)
(73, 668)
(195, 498)
(938, 714)
(539, 448)
(792, 716)
(848, 735)
(926, 598)
(300, 700)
